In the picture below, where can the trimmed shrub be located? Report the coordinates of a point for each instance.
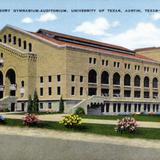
(80, 111)
(30, 119)
(126, 124)
(71, 121)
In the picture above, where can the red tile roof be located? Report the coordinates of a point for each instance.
(146, 49)
(94, 46)
(56, 34)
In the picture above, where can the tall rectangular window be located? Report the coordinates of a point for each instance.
(125, 107)
(81, 91)
(81, 78)
(14, 40)
(119, 107)
(9, 38)
(41, 79)
(90, 60)
(125, 65)
(49, 105)
(72, 78)
(24, 44)
(19, 42)
(107, 107)
(49, 91)
(106, 62)
(139, 107)
(58, 90)
(114, 107)
(49, 78)
(41, 91)
(102, 61)
(118, 64)
(129, 66)
(5, 39)
(72, 90)
(30, 47)
(58, 78)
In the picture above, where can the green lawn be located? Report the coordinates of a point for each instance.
(101, 129)
(152, 118)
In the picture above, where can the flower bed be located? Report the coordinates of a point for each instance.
(71, 120)
(126, 124)
(30, 119)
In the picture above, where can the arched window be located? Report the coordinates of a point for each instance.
(116, 79)
(24, 44)
(137, 81)
(146, 82)
(9, 38)
(92, 76)
(155, 83)
(30, 47)
(5, 39)
(105, 77)
(14, 40)
(1, 78)
(11, 75)
(127, 80)
(19, 42)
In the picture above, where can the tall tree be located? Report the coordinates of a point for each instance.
(30, 105)
(61, 105)
(36, 102)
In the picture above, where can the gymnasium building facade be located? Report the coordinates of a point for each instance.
(99, 77)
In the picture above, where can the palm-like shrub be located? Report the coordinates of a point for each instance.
(30, 119)
(71, 121)
(126, 124)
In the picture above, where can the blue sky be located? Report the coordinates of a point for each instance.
(131, 30)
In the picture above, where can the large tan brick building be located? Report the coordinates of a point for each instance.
(101, 78)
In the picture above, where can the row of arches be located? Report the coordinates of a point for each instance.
(10, 79)
(10, 75)
(92, 78)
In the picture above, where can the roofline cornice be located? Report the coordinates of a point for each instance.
(32, 35)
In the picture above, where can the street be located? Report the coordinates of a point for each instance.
(17, 147)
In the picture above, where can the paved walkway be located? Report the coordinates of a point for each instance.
(86, 137)
(57, 117)
(42, 145)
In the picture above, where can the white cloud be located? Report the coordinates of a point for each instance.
(47, 17)
(97, 27)
(143, 35)
(27, 20)
(115, 24)
(156, 16)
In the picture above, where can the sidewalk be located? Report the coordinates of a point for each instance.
(57, 117)
(86, 137)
